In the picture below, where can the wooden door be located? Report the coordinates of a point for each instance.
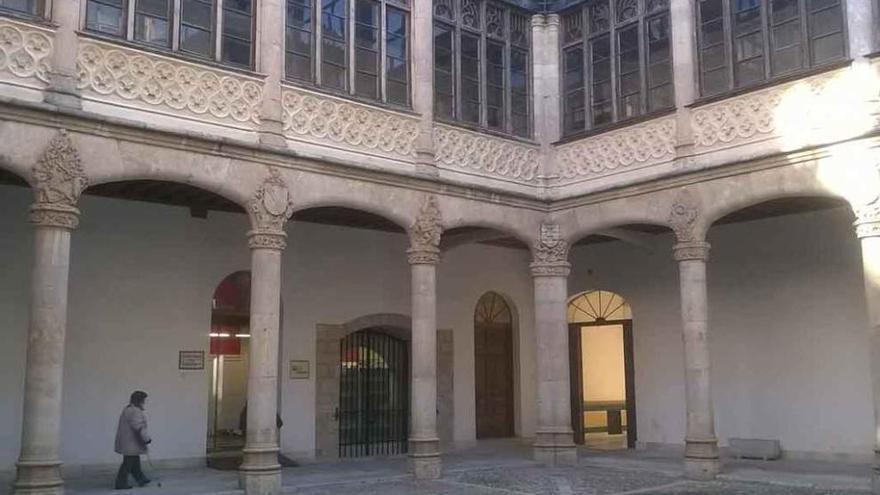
(493, 346)
(493, 373)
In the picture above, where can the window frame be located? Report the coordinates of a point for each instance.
(458, 29)
(175, 21)
(43, 8)
(767, 24)
(316, 38)
(588, 36)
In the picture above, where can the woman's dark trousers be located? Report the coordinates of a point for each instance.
(131, 464)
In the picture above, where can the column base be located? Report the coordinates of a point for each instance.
(38, 478)
(424, 458)
(701, 460)
(272, 134)
(555, 448)
(63, 92)
(260, 473)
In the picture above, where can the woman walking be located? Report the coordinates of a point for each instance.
(132, 439)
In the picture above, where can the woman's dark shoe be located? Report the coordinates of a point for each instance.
(143, 482)
(124, 487)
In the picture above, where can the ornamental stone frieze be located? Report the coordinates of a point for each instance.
(832, 106)
(58, 181)
(867, 220)
(269, 208)
(325, 120)
(25, 53)
(472, 152)
(425, 233)
(628, 148)
(550, 253)
(167, 85)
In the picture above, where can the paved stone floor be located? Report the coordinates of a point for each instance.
(504, 468)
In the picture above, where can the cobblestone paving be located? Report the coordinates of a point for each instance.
(573, 481)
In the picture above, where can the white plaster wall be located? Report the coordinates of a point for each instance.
(788, 332)
(141, 281)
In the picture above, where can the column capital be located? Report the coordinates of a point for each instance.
(550, 248)
(270, 206)
(695, 250)
(425, 233)
(54, 215)
(867, 220)
(684, 218)
(265, 239)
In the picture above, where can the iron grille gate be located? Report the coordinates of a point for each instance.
(373, 394)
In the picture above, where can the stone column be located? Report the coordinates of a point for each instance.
(423, 84)
(270, 61)
(554, 443)
(62, 89)
(868, 231)
(424, 254)
(681, 14)
(701, 460)
(270, 208)
(59, 180)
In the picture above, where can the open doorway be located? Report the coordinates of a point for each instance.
(228, 358)
(603, 407)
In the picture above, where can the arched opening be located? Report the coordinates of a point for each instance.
(373, 411)
(228, 356)
(602, 370)
(493, 367)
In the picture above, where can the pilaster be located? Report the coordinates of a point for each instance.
(62, 90)
(683, 70)
(270, 62)
(422, 57)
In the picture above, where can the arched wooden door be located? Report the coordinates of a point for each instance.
(493, 361)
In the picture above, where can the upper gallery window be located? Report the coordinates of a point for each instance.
(360, 47)
(743, 42)
(481, 65)
(616, 62)
(32, 8)
(219, 30)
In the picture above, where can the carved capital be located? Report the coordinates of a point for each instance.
(684, 251)
(867, 220)
(550, 248)
(271, 205)
(424, 235)
(54, 215)
(683, 217)
(59, 178)
(267, 240)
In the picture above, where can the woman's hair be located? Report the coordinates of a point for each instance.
(138, 397)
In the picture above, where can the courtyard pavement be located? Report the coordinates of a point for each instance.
(504, 468)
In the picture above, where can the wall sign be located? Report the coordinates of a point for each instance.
(191, 360)
(299, 370)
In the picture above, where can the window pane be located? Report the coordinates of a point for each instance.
(600, 87)
(298, 66)
(825, 22)
(575, 116)
(197, 13)
(158, 8)
(299, 14)
(22, 6)
(828, 48)
(396, 57)
(333, 47)
(243, 6)
(470, 78)
(715, 81)
(236, 51)
(572, 26)
(629, 73)
(750, 71)
(106, 16)
(443, 80)
(495, 85)
(333, 76)
(152, 30)
(299, 42)
(236, 24)
(397, 93)
(196, 40)
(333, 52)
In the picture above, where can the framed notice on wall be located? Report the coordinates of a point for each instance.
(299, 370)
(191, 360)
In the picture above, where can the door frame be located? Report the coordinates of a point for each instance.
(577, 378)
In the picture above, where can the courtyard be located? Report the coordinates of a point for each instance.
(504, 468)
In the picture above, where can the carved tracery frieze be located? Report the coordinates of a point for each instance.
(269, 208)
(425, 234)
(474, 152)
(25, 50)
